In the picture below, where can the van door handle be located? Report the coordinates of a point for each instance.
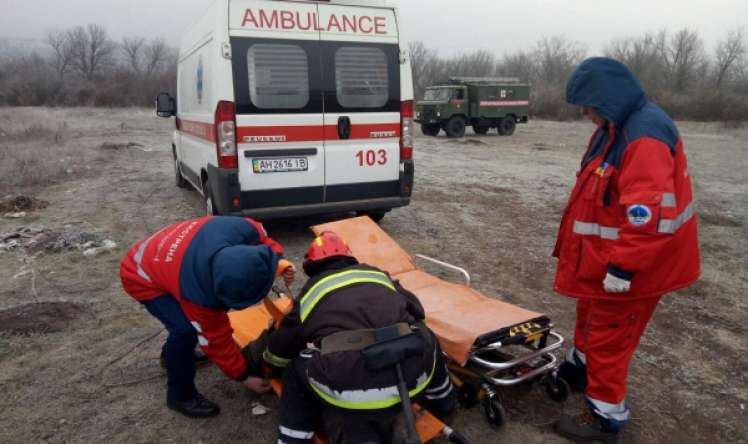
(344, 127)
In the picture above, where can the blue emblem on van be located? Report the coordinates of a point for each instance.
(639, 214)
(200, 80)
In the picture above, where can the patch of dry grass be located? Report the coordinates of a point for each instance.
(35, 153)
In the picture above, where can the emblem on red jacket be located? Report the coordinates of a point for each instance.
(639, 214)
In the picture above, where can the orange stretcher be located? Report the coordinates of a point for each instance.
(249, 323)
(488, 343)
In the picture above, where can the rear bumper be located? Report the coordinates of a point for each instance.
(383, 203)
(274, 204)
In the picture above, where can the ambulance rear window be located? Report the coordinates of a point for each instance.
(361, 79)
(278, 76)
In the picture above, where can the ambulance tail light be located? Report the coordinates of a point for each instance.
(406, 130)
(226, 135)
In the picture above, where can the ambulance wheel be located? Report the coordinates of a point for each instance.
(557, 388)
(467, 395)
(430, 129)
(494, 411)
(180, 180)
(376, 216)
(455, 127)
(506, 126)
(210, 208)
(480, 129)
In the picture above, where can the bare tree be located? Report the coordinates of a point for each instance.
(556, 57)
(62, 52)
(519, 64)
(683, 54)
(730, 55)
(132, 47)
(155, 53)
(91, 49)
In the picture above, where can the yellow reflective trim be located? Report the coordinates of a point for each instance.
(275, 360)
(374, 405)
(376, 278)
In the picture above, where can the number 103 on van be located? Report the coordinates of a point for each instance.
(371, 157)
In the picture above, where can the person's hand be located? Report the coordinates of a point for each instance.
(289, 274)
(257, 385)
(614, 284)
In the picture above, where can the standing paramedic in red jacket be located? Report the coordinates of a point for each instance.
(188, 275)
(627, 237)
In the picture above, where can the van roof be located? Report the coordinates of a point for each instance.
(378, 3)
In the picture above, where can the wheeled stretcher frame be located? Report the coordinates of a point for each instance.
(488, 343)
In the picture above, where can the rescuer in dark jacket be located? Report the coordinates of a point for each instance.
(326, 379)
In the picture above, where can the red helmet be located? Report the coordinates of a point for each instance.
(327, 244)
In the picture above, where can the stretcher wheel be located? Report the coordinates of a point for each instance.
(456, 438)
(467, 395)
(557, 388)
(494, 411)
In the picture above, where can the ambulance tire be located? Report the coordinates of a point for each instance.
(180, 180)
(506, 126)
(455, 127)
(210, 207)
(430, 129)
(480, 129)
(376, 216)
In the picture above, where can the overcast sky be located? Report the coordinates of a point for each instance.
(449, 26)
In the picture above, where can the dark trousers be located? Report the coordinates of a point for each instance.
(302, 411)
(178, 351)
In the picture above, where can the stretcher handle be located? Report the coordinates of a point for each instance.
(410, 419)
(464, 272)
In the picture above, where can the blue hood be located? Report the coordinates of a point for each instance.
(607, 86)
(243, 274)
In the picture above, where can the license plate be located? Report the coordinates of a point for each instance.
(282, 165)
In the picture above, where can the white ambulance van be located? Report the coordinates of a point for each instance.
(291, 108)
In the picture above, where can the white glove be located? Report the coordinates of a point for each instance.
(614, 284)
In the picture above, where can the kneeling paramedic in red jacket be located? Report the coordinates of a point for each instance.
(627, 237)
(188, 275)
(322, 344)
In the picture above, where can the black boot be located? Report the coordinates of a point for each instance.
(198, 407)
(574, 374)
(585, 428)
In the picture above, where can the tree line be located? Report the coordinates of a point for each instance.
(85, 66)
(675, 69)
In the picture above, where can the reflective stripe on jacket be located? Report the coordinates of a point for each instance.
(353, 297)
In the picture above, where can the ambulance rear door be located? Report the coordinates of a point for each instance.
(277, 88)
(361, 86)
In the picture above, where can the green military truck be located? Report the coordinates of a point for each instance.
(483, 103)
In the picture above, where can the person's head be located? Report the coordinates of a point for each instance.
(326, 249)
(605, 89)
(243, 274)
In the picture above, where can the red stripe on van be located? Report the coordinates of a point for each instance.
(201, 130)
(311, 133)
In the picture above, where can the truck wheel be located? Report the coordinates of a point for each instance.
(430, 129)
(181, 182)
(455, 127)
(480, 129)
(210, 207)
(506, 126)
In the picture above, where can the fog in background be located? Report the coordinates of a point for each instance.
(691, 58)
(450, 26)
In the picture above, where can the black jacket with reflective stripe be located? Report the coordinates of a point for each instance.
(352, 307)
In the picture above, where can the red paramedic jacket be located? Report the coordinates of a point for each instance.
(631, 212)
(177, 260)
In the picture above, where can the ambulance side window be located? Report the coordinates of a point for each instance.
(361, 77)
(278, 76)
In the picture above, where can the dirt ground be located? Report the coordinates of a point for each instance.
(491, 204)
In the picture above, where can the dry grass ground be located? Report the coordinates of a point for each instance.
(490, 204)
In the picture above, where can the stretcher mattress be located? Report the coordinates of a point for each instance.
(459, 316)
